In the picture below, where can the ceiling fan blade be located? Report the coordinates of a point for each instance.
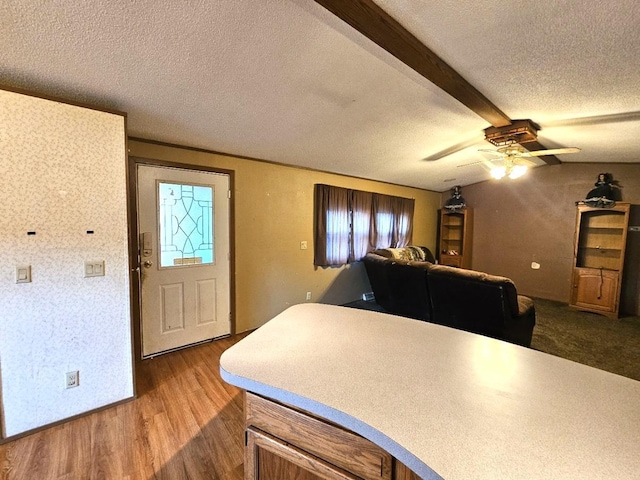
(549, 159)
(478, 162)
(525, 162)
(454, 149)
(596, 120)
(492, 151)
(553, 151)
(469, 164)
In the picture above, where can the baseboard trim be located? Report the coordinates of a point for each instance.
(64, 420)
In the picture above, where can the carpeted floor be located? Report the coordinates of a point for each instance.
(587, 338)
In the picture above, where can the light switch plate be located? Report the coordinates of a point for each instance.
(94, 269)
(23, 274)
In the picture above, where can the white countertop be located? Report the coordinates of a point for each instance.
(448, 404)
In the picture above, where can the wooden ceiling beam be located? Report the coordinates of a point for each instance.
(375, 24)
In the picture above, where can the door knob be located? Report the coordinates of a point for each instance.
(147, 264)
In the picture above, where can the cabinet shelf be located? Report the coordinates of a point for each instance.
(604, 218)
(603, 251)
(453, 219)
(617, 230)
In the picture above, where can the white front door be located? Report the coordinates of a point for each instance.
(183, 225)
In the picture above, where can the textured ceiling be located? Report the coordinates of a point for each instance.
(286, 81)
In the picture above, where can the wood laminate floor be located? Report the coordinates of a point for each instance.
(186, 423)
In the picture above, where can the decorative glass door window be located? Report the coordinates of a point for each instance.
(186, 224)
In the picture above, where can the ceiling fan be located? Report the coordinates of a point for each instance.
(513, 155)
(515, 161)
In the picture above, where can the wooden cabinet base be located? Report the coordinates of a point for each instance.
(286, 443)
(451, 260)
(596, 290)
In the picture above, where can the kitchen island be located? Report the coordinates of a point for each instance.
(442, 402)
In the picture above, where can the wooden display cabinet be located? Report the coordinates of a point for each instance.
(455, 231)
(598, 260)
(282, 442)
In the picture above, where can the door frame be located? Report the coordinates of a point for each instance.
(134, 261)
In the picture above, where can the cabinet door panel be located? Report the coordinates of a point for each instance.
(595, 289)
(402, 472)
(273, 459)
(273, 467)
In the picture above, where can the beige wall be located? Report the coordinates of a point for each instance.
(273, 214)
(533, 219)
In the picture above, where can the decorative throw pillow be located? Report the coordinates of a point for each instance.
(404, 253)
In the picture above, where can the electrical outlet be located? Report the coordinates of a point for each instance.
(73, 379)
(368, 297)
(308, 295)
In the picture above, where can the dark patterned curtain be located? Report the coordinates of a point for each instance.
(403, 218)
(382, 221)
(392, 219)
(350, 223)
(360, 203)
(331, 243)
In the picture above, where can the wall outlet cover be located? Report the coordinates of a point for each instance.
(94, 268)
(73, 379)
(23, 274)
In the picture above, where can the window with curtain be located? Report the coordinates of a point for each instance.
(350, 223)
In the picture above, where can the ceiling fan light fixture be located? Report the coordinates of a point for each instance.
(498, 172)
(517, 171)
(511, 171)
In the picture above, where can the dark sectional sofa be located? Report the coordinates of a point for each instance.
(408, 283)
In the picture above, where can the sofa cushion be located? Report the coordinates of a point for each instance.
(480, 303)
(399, 286)
(376, 267)
(408, 282)
(511, 294)
(524, 304)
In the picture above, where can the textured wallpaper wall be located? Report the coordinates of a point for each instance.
(62, 174)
